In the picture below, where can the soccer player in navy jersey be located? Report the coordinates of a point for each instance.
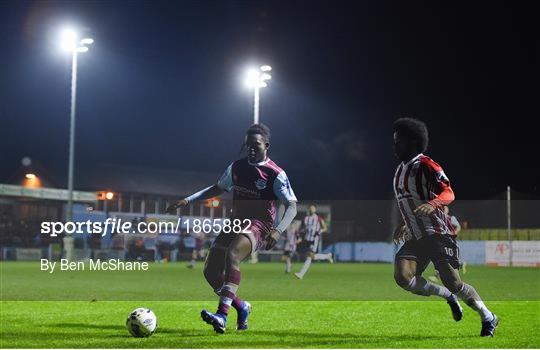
(422, 191)
(257, 184)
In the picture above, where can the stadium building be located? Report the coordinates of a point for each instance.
(127, 194)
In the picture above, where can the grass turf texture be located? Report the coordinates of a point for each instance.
(340, 305)
(264, 281)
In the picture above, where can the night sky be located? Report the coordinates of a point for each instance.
(162, 87)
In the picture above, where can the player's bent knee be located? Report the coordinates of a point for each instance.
(213, 277)
(452, 283)
(402, 280)
(233, 256)
(453, 286)
(213, 271)
(450, 278)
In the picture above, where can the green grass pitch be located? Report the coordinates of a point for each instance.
(339, 306)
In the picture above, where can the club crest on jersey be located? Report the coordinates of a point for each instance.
(260, 184)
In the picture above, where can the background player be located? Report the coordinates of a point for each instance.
(422, 190)
(312, 227)
(198, 250)
(257, 182)
(291, 241)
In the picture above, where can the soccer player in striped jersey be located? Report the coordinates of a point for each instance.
(313, 226)
(257, 184)
(197, 252)
(291, 241)
(422, 190)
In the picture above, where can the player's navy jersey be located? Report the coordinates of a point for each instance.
(312, 227)
(256, 187)
(416, 182)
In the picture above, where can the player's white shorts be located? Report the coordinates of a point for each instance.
(290, 247)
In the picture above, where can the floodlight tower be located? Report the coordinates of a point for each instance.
(72, 43)
(256, 79)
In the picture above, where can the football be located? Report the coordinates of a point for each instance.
(141, 322)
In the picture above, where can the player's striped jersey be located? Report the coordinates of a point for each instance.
(312, 227)
(455, 224)
(290, 239)
(419, 181)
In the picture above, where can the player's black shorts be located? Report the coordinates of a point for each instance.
(287, 253)
(436, 248)
(309, 246)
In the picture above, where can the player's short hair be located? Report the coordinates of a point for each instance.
(415, 129)
(260, 129)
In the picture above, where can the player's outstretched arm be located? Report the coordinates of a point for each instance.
(206, 193)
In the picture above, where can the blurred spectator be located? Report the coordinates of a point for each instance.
(117, 242)
(94, 242)
(136, 249)
(164, 250)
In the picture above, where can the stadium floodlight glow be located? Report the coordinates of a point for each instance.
(252, 78)
(30, 176)
(87, 41)
(265, 76)
(109, 195)
(256, 79)
(71, 42)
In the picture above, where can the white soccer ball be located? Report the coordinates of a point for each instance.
(141, 322)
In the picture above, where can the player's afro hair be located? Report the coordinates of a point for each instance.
(415, 129)
(260, 129)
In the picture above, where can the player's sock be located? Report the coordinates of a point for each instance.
(237, 303)
(420, 286)
(321, 256)
(305, 267)
(228, 291)
(288, 265)
(469, 295)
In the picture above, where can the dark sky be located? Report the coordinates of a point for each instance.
(162, 88)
